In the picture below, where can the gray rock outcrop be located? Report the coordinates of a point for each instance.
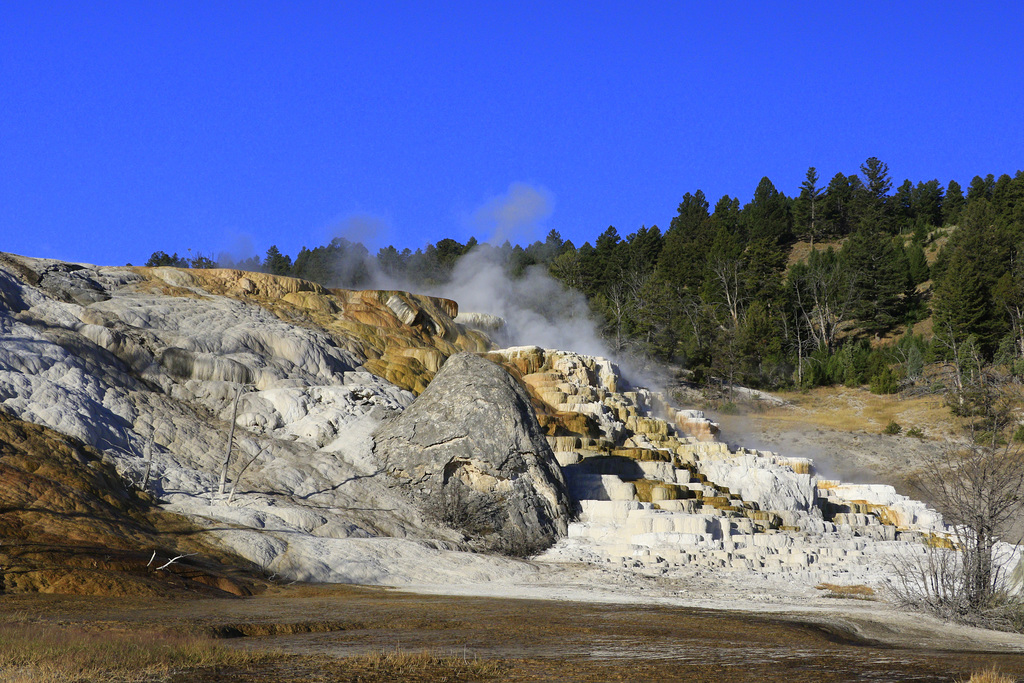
(471, 450)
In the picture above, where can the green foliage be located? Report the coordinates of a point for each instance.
(728, 408)
(881, 279)
(1018, 434)
(960, 304)
(893, 428)
(884, 382)
(767, 217)
(915, 432)
(917, 263)
(953, 203)
(914, 363)
(277, 263)
(807, 207)
(714, 292)
(160, 258)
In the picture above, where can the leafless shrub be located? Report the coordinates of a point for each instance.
(476, 515)
(978, 485)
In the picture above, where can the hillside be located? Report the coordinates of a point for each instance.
(350, 463)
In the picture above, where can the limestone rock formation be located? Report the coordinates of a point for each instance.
(142, 365)
(471, 449)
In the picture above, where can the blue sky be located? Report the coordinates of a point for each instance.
(131, 127)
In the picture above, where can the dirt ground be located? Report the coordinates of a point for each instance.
(325, 629)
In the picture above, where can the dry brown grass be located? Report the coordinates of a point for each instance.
(399, 664)
(990, 676)
(801, 250)
(858, 410)
(379, 635)
(62, 654)
(856, 591)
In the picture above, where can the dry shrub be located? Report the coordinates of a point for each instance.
(989, 676)
(978, 485)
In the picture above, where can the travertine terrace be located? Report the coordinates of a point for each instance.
(156, 368)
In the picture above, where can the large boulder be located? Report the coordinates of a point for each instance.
(471, 450)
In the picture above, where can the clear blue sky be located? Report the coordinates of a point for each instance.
(127, 127)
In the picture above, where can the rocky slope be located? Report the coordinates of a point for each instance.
(348, 464)
(69, 524)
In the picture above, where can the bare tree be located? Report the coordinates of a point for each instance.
(231, 440)
(978, 485)
(964, 367)
(824, 292)
(617, 298)
(727, 276)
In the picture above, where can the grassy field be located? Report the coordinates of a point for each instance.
(858, 410)
(339, 633)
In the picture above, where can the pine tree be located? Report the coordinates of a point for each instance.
(768, 215)
(960, 304)
(807, 207)
(276, 263)
(953, 204)
(917, 263)
(840, 209)
(683, 254)
(881, 280)
(877, 186)
(927, 202)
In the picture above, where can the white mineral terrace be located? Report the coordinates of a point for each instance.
(659, 497)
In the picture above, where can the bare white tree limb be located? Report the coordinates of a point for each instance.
(173, 560)
(238, 476)
(231, 439)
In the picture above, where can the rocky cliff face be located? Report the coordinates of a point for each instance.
(471, 449)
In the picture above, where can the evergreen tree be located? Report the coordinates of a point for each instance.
(277, 263)
(768, 215)
(681, 261)
(644, 247)
(928, 202)
(759, 346)
(953, 204)
(877, 186)
(981, 188)
(917, 263)
(839, 213)
(567, 268)
(960, 304)
(902, 206)
(448, 252)
(604, 264)
(726, 217)
(160, 258)
(391, 261)
(876, 175)
(807, 207)
(880, 276)
(691, 215)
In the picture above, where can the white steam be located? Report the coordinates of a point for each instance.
(362, 228)
(537, 309)
(514, 214)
